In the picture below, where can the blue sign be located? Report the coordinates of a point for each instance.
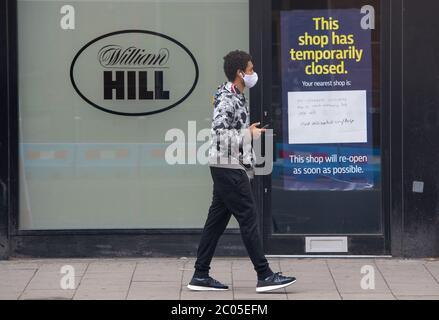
(326, 102)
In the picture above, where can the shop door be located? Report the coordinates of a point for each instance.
(327, 191)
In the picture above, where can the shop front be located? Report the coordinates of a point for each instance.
(105, 106)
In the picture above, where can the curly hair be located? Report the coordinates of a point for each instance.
(234, 61)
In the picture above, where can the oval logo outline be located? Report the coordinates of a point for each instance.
(154, 33)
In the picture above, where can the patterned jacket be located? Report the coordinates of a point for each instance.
(230, 137)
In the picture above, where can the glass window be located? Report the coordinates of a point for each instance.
(100, 84)
(327, 115)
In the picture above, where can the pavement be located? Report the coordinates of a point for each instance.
(166, 278)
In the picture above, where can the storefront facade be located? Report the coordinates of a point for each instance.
(97, 97)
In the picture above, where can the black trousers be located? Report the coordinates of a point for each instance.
(232, 194)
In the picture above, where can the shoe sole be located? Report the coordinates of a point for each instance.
(270, 288)
(200, 288)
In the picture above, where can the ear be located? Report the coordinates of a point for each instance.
(240, 74)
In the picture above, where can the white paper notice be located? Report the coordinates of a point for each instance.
(327, 117)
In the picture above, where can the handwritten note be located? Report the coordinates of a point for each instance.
(327, 117)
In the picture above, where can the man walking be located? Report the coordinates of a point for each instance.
(231, 161)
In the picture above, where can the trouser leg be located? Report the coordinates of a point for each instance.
(216, 222)
(235, 190)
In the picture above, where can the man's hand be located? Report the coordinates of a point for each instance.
(256, 132)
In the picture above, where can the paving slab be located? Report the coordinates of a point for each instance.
(166, 278)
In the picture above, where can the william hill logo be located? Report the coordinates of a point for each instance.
(114, 56)
(134, 72)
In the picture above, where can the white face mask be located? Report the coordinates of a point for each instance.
(250, 79)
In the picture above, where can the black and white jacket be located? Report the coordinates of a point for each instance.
(230, 137)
